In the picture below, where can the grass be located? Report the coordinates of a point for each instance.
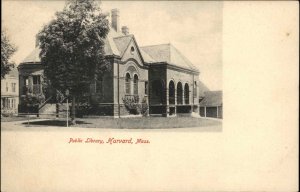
(15, 118)
(133, 123)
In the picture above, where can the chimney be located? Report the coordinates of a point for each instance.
(125, 30)
(115, 19)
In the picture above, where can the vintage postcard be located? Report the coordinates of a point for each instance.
(149, 96)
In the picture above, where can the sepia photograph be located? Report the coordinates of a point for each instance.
(79, 61)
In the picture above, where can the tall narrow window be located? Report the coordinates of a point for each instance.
(146, 87)
(179, 93)
(13, 86)
(186, 94)
(6, 87)
(171, 92)
(26, 82)
(127, 83)
(36, 84)
(195, 89)
(36, 79)
(135, 85)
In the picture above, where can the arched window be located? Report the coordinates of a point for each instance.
(135, 85)
(186, 94)
(179, 93)
(195, 89)
(171, 93)
(127, 83)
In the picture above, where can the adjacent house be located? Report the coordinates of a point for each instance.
(212, 104)
(158, 76)
(10, 93)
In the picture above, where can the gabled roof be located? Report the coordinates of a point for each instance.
(202, 89)
(13, 73)
(147, 58)
(122, 43)
(169, 54)
(116, 44)
(33, 57)
(212, 99)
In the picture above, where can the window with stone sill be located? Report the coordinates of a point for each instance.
(135, 85)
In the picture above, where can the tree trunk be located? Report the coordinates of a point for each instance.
(73, 122)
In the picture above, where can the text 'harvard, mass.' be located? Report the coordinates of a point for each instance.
(110, 141)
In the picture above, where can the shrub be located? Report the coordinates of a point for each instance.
(133, 107)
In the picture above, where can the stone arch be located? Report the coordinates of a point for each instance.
(131, 68)
(179, 92)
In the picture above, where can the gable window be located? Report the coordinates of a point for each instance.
(127, 83)
(135, 85)
(132, 50)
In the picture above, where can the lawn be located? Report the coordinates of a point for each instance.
(133, 123)
(15, 118)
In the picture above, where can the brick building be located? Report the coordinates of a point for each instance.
(158, 75)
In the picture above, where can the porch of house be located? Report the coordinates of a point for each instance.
(171, 100)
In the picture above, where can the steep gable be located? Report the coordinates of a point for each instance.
(129, 49)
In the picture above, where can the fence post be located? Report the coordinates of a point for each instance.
(27, 118)
(67, 112)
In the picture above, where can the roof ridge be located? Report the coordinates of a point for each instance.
(156, 45)
(130, 35)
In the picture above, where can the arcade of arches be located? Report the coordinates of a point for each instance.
(171, 99)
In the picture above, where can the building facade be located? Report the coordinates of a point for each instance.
(157, 76)
(10, 93)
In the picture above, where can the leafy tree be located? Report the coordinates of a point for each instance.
(72, 47)
(7, 50)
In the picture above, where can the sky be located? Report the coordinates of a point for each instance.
(193, 27)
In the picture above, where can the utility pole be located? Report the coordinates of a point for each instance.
(67, 95)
